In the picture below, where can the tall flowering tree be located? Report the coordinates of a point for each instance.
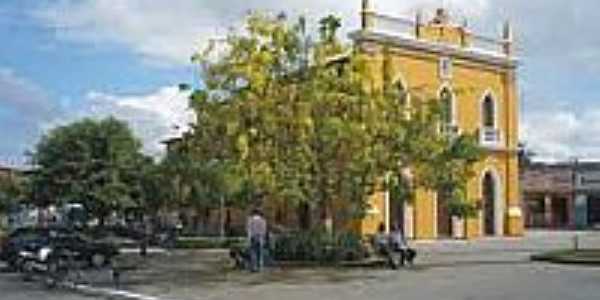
(301, 120)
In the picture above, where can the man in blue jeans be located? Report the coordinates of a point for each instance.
(257, 230)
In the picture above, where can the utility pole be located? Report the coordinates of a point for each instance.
(574, 186)
(387, 205)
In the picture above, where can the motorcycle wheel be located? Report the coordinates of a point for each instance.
(50, 283)
(13, 265)
(56, 273)
(98, 260)
(27, 270)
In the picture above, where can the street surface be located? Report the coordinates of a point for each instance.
(13, 288)
(486, 269)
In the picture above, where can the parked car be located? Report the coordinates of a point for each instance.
(95, 253)
(19, 239)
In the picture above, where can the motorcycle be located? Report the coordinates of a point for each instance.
(50, 264)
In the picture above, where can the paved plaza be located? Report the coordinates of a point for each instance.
(486, 269)
(13, 288)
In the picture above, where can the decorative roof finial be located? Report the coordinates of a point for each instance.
(508, 32)
(508, 38)
(441, 16)
(367, 5)
(418, 23)
(367, 14)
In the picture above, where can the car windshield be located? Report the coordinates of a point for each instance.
(25, 234)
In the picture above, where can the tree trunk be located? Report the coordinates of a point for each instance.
(206, 220)
(101, 220)
(304, 216)
(196, 222)
(228, 229)
(327, 216)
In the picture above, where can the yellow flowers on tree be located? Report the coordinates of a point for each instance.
(294, 118)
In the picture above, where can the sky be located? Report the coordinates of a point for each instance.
(61, 60)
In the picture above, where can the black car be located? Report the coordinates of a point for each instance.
(19, 239)
(97, 254)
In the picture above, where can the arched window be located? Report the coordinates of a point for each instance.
(402, 93)
(447, 102)
(489, 112)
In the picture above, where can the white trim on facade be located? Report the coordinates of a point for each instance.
(409, 220)
(433, 196)
(473, 54)
(453, 104)
(489, 136)
(445, 68)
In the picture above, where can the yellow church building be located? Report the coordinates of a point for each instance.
(477, 75)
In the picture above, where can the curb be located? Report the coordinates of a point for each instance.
(111, 293)
(565, 257)
(134, 250)
(568, 260)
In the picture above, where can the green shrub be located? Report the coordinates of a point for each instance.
(208, 243)
(318, 246)
(462, 209)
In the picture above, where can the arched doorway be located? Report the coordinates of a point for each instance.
(489, 193)
(444, 224)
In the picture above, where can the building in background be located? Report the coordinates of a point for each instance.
(7, 173)
(475, 76)
(587, 195)
(548, 195)
(563, 195)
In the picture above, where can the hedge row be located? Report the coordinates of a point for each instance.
(319, 246)
(209, 243)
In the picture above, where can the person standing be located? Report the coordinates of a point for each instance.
(400, 245)
(257, 230)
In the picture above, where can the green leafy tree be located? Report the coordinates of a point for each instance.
(148, 187)
(197, 184)
(305, 122)
(93, 162)
(12, 191)
(439, 161)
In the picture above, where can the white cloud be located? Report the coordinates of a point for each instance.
(23, 107)
(560, 35)
(557, 41)
(21, 95)
(556, 134)
(26, 112)
(168, 32)
(153, 117)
